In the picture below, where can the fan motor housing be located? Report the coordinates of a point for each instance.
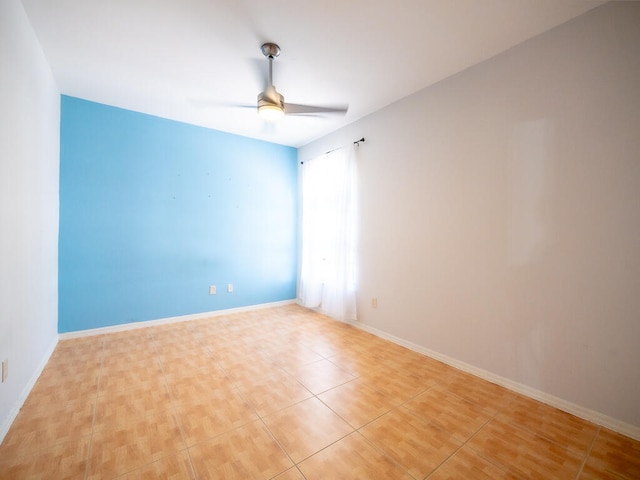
(266, 98)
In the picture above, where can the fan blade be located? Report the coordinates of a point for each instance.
(296, 109)
(211, 103)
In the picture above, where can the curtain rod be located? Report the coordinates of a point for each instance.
(357, 143)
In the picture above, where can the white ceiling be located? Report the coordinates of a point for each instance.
(188, 59)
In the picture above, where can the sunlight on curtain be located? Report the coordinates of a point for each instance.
(328, 271)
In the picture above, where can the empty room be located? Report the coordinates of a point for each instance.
(320, 240)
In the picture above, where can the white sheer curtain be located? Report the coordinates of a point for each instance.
(328, 270)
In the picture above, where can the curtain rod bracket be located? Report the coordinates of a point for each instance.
(357, 142)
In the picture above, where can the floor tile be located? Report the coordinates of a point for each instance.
(467, 464)
(66, 460)
(172, 467)
(174, 339)
(357, 403)
(127, 343)
(145, 373)
(390, 352)
(320, 376)
(415, 444)
(272, 393)
(456, 415)
(489, 396)
(192, 386)
(612, 456)
(356, 363)
(352, 458)
(236, 353)
(119, 361)
(246, 452)
(427, 369)
(59, 389)
(253, 369)
(86, 352)
(125, 406)
(395, 384)
(44, 425)
(61, 371)
(118, 449)
(178, 364)
(217, 413)
(551, 423)
(306, 427)
(126, 339)
(325, 347)
(292, 354)
(90, 343)
(291, 474)
(523, 453)
(180, 344)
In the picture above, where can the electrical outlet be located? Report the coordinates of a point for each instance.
(230, 288)
(212, 290)
(374, 302)
(5, 369)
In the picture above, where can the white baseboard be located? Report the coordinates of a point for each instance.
(569, 407)
(162, 321)
(13, 413)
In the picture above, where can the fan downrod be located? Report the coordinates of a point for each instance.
(270, 50)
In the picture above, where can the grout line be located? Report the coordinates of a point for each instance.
(325, 447)
(173, 405)
(434, 423)
(384, 453)
(464, 444)
(272, 435)
(489, 460)
(300, 472)
(95, 411)
(588, 453)
(357, 430)
(542, 434)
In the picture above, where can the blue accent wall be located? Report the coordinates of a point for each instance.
(153, 212)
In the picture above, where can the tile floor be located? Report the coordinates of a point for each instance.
(287, 394)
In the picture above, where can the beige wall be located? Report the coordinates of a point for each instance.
(29, 166)
(500, 214)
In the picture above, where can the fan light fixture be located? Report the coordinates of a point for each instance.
(270, 112)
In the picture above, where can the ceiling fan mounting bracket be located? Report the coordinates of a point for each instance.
(270, 50)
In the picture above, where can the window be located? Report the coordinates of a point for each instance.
(328, 270)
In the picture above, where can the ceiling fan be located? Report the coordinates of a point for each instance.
(271, 104)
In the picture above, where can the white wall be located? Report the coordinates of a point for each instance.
(500, 214)
(29, 165)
